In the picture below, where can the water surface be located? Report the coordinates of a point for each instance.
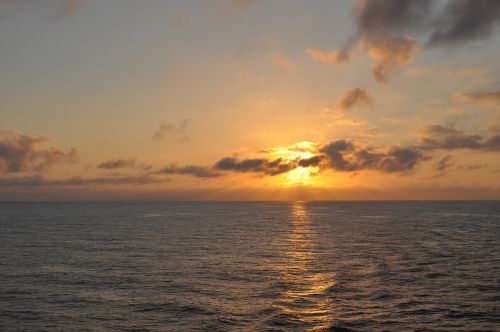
(205, 266)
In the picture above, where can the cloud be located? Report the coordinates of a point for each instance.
(173, 130)
(443, 164)
(21, 153)
(353, 98)
(448, 138)
(233, 6)
(465, 20)
(123, 163)
(194, 170)
(383, 27)
(55, 9)
(260, 165)
(345, 156)
(393, 32)
(310, 162)
(283, 62)
(333, 56)
(439, 137)
(350, 122)
(491, 98)
(36, 181)
(67, 7)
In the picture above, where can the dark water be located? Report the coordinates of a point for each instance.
(250, 266)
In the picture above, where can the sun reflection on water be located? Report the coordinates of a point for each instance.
(304, 299)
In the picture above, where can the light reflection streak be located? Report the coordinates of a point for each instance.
(304, 299)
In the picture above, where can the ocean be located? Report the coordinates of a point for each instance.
(250, 266)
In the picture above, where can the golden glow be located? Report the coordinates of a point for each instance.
(302, 274)
(300, 175)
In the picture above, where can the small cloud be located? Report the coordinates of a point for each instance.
(67, 7)
(56, 9)
(245, 77)
(169, 129)
(350, 122)
(473, 167)
(233, 6)
(372, 133)
(353, 98)
(443, 164)
(283, 62)
(333, 56)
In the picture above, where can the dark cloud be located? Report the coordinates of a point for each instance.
(353, 98)
(383, 30)
(310, 162)
(260, 165)
(78, 181)
(465, 20)
(336, 152)
(194, 170)
(123, 163)
(178, 131)
(492, 143)
(393, 31)
(345, 156)
(487, 97)
(447, 138)
(21, 153)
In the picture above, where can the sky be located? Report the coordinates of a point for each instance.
(249, 100)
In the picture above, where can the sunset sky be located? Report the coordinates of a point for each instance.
(249, 100)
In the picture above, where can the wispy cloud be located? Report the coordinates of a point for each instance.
(119, 163)
(194, 170)
(332, 56)
(443, 164)
(491, 98)
(37, 181)
(233, 6)
(175, 130)
(55, 9)
(283, 62)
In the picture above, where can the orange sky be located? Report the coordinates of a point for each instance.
(234, 100)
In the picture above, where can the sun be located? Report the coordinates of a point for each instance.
(299, 175)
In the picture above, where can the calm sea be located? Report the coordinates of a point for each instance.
(262, 266)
